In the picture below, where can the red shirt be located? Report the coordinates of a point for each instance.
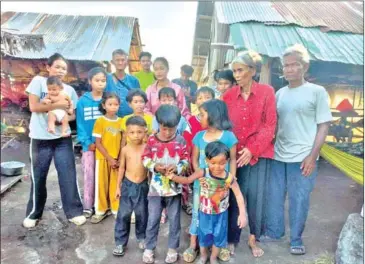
(191, 130)
(254, 120)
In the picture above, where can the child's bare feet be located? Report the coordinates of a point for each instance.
(51, 129)
(65, 134)
(256, 251)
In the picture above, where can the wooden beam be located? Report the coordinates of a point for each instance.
(203, 17)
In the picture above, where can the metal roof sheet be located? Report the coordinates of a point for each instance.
(75, 37)
(272, 40)
(334, 16)
(233, 12)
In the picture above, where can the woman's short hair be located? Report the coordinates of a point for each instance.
(300, 51)
(250, 58)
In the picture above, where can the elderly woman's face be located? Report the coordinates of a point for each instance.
(293, 69)
(58, 69)
(242, 73)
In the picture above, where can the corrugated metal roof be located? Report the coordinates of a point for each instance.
(273, 40)
(233, 12)
(336, 16)
(75, 37)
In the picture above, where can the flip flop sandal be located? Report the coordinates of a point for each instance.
(190, 254)
(118, 250)
(297, 250)
(148, 258)
(171, 258)
(224, 254)
(202, 261)
(95, 219)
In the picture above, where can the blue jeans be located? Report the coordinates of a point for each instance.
(155, 206)
(287, 177)
(41, 154)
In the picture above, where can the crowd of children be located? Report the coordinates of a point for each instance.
(139, 168)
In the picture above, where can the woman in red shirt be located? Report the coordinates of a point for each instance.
(252, 111)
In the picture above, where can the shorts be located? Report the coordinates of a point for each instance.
(213, 229)
(59, 113)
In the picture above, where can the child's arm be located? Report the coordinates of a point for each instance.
(121, 172)
(148, 161)
(195, 158)
(99, 146)
(186, 180)
(242, 219)
(233, 161)
(47, 100)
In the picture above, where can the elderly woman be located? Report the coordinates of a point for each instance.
(252, 112)
(45, 146)
(303, 121)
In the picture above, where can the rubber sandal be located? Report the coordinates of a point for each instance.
(297, 250)
(171, 257)
(148, 258)
(118, 250)
(190, 254)
(95, 219)
(224, 254)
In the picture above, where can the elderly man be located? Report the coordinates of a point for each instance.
(120, 82)
(303, 122)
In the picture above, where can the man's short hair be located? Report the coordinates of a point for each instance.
(145, 54)
(188, 70)
(119, 52)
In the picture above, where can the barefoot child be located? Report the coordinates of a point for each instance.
(56, 94)
(87, 112)
(132, 187)
(164, 151)
(107, 131)
(215, 182)
(214, 118)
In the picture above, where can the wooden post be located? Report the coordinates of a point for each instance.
(265, 75)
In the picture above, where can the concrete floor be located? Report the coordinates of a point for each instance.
(54, 240)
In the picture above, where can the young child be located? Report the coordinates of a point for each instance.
(56, 94)
(164, 151)
(137, 100)
(214, 118)
(203, 94)
(167, 96)
(225, 81)
(215, 182)
(132, 186)
(193, 126)
(87, 112)
(107, 131)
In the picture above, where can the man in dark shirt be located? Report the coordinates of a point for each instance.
(189, 87)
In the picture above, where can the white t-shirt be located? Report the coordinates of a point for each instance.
(300, 110)
(39, 121)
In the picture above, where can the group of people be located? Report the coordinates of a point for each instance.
(143, 150)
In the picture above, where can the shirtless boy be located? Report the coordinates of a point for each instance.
(132, 187)
(56, 94)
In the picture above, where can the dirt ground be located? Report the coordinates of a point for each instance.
(55, 240)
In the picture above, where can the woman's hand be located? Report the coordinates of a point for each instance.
(245, 157)
(242, 220)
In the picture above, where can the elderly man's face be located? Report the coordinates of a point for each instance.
(120, 62)
(293, 69)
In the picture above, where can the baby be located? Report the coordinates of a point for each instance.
(56, 94)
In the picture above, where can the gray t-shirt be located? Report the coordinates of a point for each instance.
(299, 110)
(38, 121)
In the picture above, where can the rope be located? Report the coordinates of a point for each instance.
(350, 165)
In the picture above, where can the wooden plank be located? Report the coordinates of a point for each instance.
(8, 182)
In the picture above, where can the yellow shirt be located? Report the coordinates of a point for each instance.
(148, 118)
(110, 133)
